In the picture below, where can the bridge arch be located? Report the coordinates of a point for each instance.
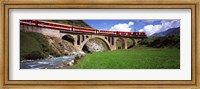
(131, 43)
(101, 38)
(68, 38)
(120, 43)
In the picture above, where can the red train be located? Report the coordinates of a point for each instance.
(65, 27)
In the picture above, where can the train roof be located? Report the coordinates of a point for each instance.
(79, 23)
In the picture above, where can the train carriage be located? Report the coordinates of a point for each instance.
(65, 27)
(84, 29)
(106, 32)
(54, 25)
(120, 33)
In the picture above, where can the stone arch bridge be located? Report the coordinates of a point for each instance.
(80, 39)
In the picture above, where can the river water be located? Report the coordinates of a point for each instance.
(48, 63)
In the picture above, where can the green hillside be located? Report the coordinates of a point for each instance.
(162, 42)
(34, 46)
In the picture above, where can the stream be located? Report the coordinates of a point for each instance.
(50, 63)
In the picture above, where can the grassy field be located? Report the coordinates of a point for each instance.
(135, 58)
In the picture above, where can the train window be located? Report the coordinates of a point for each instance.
(33, 22)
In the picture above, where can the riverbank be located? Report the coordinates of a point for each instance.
(52, 63)
(39, 51)
(35, 46)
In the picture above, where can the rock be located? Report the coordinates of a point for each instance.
(77, 54)
(70, 63)
(60, 47)
(50, 56)
(93, 46)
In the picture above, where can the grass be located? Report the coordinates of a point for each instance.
(136, 58)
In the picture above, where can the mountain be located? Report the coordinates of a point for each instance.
(171, 31)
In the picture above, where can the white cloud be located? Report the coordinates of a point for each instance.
(141, 30)
(165, 25)
(151, 29)
(122, 27)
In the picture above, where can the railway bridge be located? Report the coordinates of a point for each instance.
(79, 39)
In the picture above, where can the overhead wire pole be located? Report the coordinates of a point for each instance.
(134, 29)
(72, 25)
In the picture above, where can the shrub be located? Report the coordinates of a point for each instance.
(34, 55)
(161, 42)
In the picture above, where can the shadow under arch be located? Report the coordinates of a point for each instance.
(131, 43)
(104, 40)
(120, 43)
(68, 38)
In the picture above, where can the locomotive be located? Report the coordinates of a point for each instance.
(46, 24)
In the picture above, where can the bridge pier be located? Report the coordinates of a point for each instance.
(125, 43)
(135, 41)
(77, 42)
(112, 41)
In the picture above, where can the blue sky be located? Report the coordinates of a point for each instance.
(148, 26)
